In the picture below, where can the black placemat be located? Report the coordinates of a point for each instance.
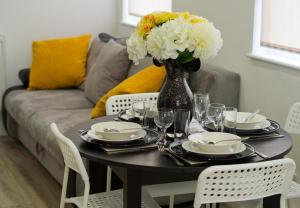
(194, 159)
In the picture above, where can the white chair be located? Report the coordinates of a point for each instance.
(292, 125)
(117, 103)
(242, 182)
(73, 160)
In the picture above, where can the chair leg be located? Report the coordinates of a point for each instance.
(108, 179)
(64, 187)
(282, 202)
(171, 202)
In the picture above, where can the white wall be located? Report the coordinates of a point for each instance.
(21, 22)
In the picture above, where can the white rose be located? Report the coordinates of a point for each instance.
(136, 48)
(205, 40)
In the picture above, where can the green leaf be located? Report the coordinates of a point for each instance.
(185, 57)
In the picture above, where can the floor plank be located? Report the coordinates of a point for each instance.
(23, 181)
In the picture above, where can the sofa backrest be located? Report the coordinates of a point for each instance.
(222, 85)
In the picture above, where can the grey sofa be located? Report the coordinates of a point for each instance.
(29, 113)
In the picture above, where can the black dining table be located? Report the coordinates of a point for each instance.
(148, 167)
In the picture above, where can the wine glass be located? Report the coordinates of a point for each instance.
(201, 101)
(139, 107)
(230, 117)
(163, 119)
(215, 115)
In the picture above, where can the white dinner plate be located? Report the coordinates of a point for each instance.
(194, 148)
(262, 125)
(135, 136)
(114, 130)
(203, 141)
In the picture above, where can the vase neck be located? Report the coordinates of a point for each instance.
(173, 69)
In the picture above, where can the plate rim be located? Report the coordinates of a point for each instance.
(117, 122)
(111, 141)
(216, 154)
(237, 137)
(254, 129)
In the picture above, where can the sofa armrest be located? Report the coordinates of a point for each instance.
(222, 85)
(24, 76)
(6, 119)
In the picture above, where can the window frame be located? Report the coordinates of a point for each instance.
(276, 56)
(129, 19)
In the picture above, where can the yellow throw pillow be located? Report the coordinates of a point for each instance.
(149, 79)
(58, 63)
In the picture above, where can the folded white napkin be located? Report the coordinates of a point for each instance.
(195, 127)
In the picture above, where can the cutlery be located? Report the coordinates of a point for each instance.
(251, 116)
(82, 131)
(112, 130)
(174, 158)
(211, 142)
(262, 137)
(263, 156)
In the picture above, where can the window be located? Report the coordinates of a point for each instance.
(133, 10)
(277, 32)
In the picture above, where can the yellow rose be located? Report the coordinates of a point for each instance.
(196, 19)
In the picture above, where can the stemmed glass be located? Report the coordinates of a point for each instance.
(201, 101)
(139, 107)
(163, 119)
(215, 115)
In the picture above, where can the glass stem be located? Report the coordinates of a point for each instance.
(217, 126)
(164, 133)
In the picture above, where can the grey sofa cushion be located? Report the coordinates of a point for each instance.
(23, 104)
(93, 53)
(110, 69)
(223, 86)
(143, 64)
(39, 129)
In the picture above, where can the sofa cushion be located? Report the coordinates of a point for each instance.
(142, 65)
(58, 63)
(149, 79)
(38, 126)
(93, 53)
(23, 104)
(110, 69)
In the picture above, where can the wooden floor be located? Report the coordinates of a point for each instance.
(24, 183)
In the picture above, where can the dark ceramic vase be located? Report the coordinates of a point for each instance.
(175, 93)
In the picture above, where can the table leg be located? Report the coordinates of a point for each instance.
(272, 201)
(97, 175)
(71, 190)
(132, 189)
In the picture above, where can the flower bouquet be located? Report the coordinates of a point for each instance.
(179, 41)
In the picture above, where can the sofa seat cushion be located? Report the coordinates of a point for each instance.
(38, 126)
(23, 104)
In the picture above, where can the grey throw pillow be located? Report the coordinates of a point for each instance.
(94, 51)
(111, 68)
(147, 61)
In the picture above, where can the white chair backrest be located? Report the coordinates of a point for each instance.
(70, 153)
(229, 183)
(292, 124)
(117, 103)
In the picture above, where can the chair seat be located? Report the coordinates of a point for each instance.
(111, 199)
(294, 190)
